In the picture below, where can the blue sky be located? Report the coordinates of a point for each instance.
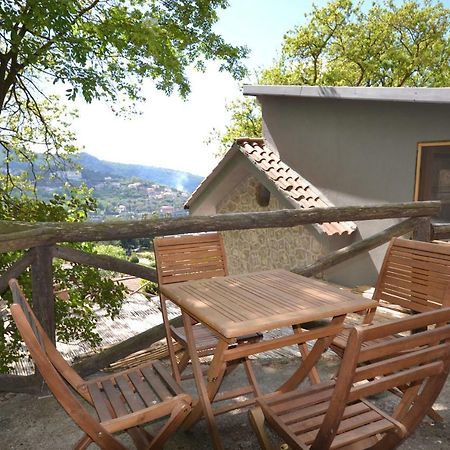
(171, 132)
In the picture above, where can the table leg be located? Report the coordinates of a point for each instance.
(303, 348)
(205, 394)
(313, 356)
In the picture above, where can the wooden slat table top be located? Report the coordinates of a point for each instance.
(242, 304)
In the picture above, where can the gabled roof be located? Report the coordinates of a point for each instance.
(383, 94)
(299, 192)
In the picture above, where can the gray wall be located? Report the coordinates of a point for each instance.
(356, 152)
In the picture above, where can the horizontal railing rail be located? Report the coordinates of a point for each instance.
(42, 242)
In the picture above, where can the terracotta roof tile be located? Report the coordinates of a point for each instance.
(289, 182)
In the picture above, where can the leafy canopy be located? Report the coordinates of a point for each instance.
(96, 49)
(342, 44)
(101, 48)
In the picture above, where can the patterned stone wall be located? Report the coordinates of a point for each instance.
(252, 250)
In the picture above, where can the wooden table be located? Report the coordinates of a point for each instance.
(234, 306)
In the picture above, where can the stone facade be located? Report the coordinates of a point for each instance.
(253, 250)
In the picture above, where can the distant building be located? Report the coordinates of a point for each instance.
(72, 175)
(134, 185)
(121, 209)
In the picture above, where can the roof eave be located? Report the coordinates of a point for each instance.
(381, 94)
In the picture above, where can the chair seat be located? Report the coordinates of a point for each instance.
(205, 339)
(145, 389)
(298, 415)
(340, 341)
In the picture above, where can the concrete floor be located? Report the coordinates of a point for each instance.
(40, 423)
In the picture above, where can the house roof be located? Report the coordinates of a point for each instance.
(387, 94)
(299, 192)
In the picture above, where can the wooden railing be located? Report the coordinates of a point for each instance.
(42, 243)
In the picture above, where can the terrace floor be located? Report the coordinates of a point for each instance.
(39, 422)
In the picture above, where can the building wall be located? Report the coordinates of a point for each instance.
(253, 250)
(356, 152)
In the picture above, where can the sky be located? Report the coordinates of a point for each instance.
(170, 132)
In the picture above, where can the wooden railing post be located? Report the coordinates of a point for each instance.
(423, 230)
(42, 289)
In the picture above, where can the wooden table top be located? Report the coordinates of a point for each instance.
(242, 304)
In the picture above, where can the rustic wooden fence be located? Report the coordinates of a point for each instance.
(42, 243)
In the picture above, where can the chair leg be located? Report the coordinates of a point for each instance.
(251, 377)
(140, 437)
(434, 416)
(83, 443)
(184, 361)
(403, 406)
(179, 413)
(257, 420)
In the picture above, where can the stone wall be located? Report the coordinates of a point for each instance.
(252, 250)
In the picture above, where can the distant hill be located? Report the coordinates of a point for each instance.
(183, 181)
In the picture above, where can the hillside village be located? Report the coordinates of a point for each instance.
(132, 199)
(151, 192)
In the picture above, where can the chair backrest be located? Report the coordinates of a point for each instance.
(415, 275)
(417, 363)
(46, 346)
(54, 369)
(189, 257)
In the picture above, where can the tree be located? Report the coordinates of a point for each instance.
(342, 44)
(87, 287)
(245, 121)
(96, 50)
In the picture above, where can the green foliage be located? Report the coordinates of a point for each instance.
(110, 250)
(342, 44)
(87, 288)
(102, 49)
(96, 50)
(389, 45)
(150, 287)
(245, 121)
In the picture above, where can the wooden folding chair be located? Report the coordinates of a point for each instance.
(123, 401)
(337, 414)
(414, 278)
(184, 258)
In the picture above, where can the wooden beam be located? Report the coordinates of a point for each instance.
(441, 230)
(423, 230)
(105, 262)
(94, 363)
(51, 233)
(42, 289)
(345, 253)
(16, 270)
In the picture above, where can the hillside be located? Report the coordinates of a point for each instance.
(182, 181)
(122, 190)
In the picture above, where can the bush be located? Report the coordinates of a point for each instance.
(110, 250)
(134, 259)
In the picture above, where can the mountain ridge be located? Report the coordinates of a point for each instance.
(177, 179)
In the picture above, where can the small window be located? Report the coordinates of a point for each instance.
(433, 175)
